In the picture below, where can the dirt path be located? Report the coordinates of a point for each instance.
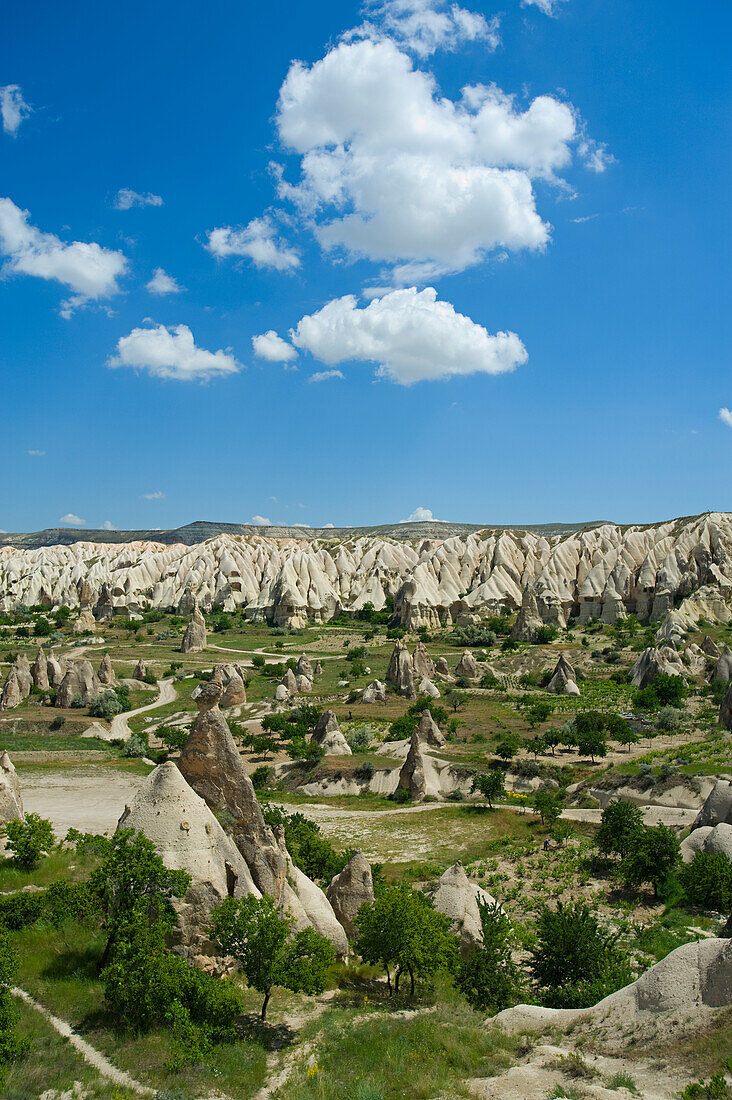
(120, 729)
(89, 1053)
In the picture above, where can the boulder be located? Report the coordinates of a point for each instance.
(400, 672)
(235, 692)
(374, 693)
(528, 620)
(467, 666)
(106, 672)
(212, 766)
(428, 689)
(723, 667)
(86, 623)
(695, 660)
(442, 668)
(303, 684)
(652, 662)
(194, 639)
(318, 669)
(281, 694)
(455, 896)
(11, 801)
(349, 890)
(563, 681)
(12, 696)
(140, 671)
(188, 837)
(725, 710)
(304, 667)
(718, 806)
(429, 732)
(288, 681)
(80, 680)
(328, 735)
(39, 671)
(55, 670)
(412, 776)
(422, 663)
(710, 647)
(717, 839)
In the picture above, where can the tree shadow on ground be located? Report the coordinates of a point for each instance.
(269, 1036)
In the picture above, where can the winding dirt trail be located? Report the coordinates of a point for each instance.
(89, 1053)
(119, 729)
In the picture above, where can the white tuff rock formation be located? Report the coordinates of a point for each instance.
(457, 897)
(106, 672)
(80, 680)
(351, 889)
(400, 672)
(140, 671)
(717, 839)
(717, 808)
(725, 710)
(652, 662)
(374, 693)
(39, 671)
(11, 801)
(194, 639)
(723, 667)
(564, 678)
(422, 664)
(467, 666)
(328, 735)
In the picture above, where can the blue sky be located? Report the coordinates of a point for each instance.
(493, 244)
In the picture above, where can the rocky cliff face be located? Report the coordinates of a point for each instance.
(676, 570)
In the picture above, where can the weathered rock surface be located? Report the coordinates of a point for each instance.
(725, 710)
(39, 671)
(351, 889)
(194, 639)
(317, 908)
(422, 663)
(12, 695)
(604, 571)
(467, 666)
(140, 671)
(723, 667)
(305, 667)
(235, 692)
(328, 735)
(288, 681)
(86, 623)
(717, 808)
(429, 732)
(564, 678)
(374, 693)
(106, 672)
(80, 679)
(413, 772)
(710, 647)
(56, 670)
(400, 672)
(457, 897)
(528, 620)
(23, 674)
(11, 801)
(211, 764)
(652, 662)
(717, 839)
(442, 668)
(429, 689)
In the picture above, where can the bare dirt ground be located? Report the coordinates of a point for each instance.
(89, 797)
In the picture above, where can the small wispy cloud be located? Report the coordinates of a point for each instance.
(725, 415)
(108, 525)
(70, 520)
(325, 375)
(126, 199)
(36, 454)
(586, 218)
(261, 521)
(157, 495)
(13, 108)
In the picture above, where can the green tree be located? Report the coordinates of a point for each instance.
(707, 881)
(173, 737)
(29, 840)
(552, 737)
(488, 976)
(592, 743)
(260, 938)
(402, 931)
(576, 962)
(508, 746)
(621, 828)
(652, 858)
(538, 712)
(670, 690)
(132, 879)
(455, 699)
(536, 746)
(11, 1047)
(490, 784)
(548, 804)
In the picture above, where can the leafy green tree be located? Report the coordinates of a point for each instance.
(488, 976)
(105, 705)
(652, 858)
(490, 784)
(707, 881)
(548, 804)
(538, 712)
(29, 840)
(11, 1047)
(132, 879)
(592, 743)
(536, 746)
(455, 699)
(576, 962)
(621, 828)
(551, 738)
(670, 690)
(261, 777)
(173, 737)
(402, 931)
(508, 746)
(259, 937)
(308, 848)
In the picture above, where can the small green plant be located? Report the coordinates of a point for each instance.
(716, 1088)
(135, 746)
(29, 840)
(622, 1080)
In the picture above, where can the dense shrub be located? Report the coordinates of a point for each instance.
(576, 962)
(707, 881)
(310, 851)
(28, 840)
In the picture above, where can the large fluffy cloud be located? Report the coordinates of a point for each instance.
(410, 335)
(273, 348)
(171, 353)
(258, 242)
(427, 25)
(13, 108)
(88, 269)
(395, 172)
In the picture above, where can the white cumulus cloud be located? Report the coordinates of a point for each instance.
(70, 520)
(325, 375)
(421, 515)
(549, 7)
(171, 353)
(258, 242)
(410, 335)
(162, 283)
(273, 348)
(13, 108)
(88, 269)
(424, 26)
(108, 525)
(125, 199)
(725, 415)
(261, 521)
(392, 170)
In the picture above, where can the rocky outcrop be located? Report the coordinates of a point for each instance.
(140, 671)
(318, 912)
(442, 668)
(374, 693)
(400, 672)
(717, 807)
(39, 671)
(11, 801)
(351, 889)
(304, 667)
(713, 840)
(85, 624)
(428, 689)
(194, 639)
(467, 666)
(422, 663)
(79, 681)
(725, 710)
(564, 678)
(528, 621)
(456, 897)
(188, 838)
(652, 662)
(429, 732)
(12, 695)
(55, 669)
(211, 764)
(710, 647)
(289, 682)
(412, 775)
(106, 672)
(723, 667)
(23, 674)
(234, 689)
(328, 735)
